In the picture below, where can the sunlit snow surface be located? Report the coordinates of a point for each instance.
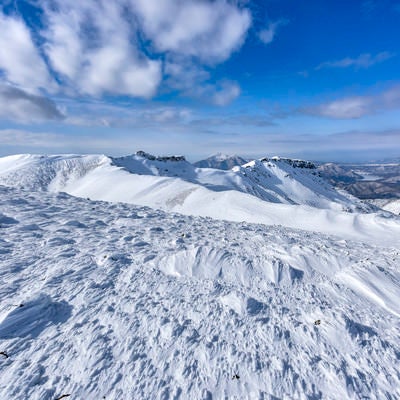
(271, 192)
(125, 302)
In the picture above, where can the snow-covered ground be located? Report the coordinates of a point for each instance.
(271, 192)
(116, 301)
(212, 293)
(391, 205)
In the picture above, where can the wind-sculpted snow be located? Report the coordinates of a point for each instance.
(46, 172)
(115, 301)
(272, 191)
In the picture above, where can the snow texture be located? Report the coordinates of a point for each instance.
(393, 206)
(273, 285)
(116, 301)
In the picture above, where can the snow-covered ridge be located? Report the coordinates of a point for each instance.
(293, 181)
(43, 172)
(149, 156)
(269, 192)
(294, 162)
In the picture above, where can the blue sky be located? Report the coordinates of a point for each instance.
(316, 79)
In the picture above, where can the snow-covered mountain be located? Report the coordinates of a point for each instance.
(367, 181)
(275, 180)
(221, 161)
(282, 293)
(113, 301)
(269, 191)
(290, 181)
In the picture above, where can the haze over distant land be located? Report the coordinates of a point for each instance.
(316, 81)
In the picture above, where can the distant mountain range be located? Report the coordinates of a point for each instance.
(368, 181)
(365, 181)
(270, 190)
(152, 180)
(221, 161)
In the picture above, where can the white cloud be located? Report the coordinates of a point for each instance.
(210, 31)
(92, 46)
(348, 108)
(268, 34)
(357, 106)
(219, 93)
(226, 93)
(183, 74)
(362, 61)
(20, 60)
(123, 47)
(193, 81)
(16, 104)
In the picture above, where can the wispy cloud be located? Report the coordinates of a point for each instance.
(267, 35)
(95, 115)
(356, 106)
(347, 108)
(22, 141)
(220, 94)
(193, 81)
(362, 61)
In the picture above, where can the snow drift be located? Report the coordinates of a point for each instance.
(104, 300)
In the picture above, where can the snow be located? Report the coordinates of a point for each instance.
(118, 301)
(270, 192)
(393, 206)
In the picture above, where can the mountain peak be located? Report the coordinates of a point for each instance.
(221, 161)
(150, 157)
(294, 162)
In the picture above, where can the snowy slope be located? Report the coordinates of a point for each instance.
(39, 172)
(115, 301)
(295, 182)
(274, 180)
(393, 206)
(175, 185)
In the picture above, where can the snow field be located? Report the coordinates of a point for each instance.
(270, 192)
(126, 302)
